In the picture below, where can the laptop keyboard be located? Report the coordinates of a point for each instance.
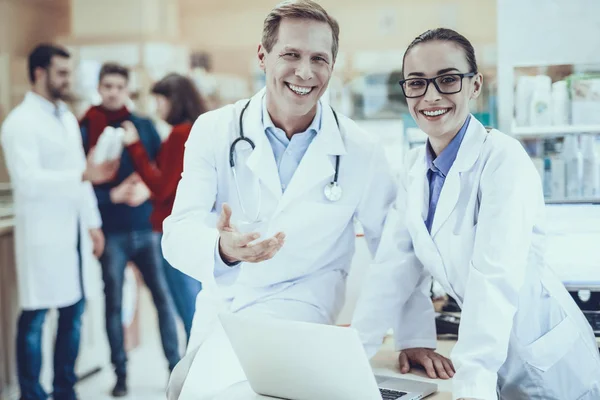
(387, 394)
(593, 318)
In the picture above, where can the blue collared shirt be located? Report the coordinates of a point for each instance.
(438, 168)
(288, 153)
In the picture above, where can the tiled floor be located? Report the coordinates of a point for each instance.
(147, 367)
(147, 377)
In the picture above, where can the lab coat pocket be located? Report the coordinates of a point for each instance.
(551, 347)
(324, 218)
(51, 225)
(310, 227)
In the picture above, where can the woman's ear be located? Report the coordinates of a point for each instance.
(477, 85)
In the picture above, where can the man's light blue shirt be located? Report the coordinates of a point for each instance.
(438, 168)
(288, 153)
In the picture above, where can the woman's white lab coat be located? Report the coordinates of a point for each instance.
(45, 160)
(520, 332)
(312, 266)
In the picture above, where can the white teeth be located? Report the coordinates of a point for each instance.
(435, 113)
(299, 89)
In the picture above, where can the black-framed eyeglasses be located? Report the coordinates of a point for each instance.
(445, 84)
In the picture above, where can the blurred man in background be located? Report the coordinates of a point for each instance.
(125, 208)
(57, 224)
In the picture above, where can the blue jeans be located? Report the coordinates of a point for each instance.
(143, 248)
(184, 290)
(66, 349)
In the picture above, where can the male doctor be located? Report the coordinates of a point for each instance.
(307, 174)
(57, 223)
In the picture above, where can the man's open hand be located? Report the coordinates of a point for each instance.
(235, 246)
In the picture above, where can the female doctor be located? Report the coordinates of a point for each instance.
(470, 211)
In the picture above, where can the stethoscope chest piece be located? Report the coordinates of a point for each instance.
(333, 191)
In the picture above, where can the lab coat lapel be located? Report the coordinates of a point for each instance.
(261, 160)
(417, 209)
(467, 155)
(418, 189)
(58, 132)
(319, 161)
(447, 200)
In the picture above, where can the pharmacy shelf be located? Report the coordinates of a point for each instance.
(553, 131)
(595, 200)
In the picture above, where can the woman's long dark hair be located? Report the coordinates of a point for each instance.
(186, 102)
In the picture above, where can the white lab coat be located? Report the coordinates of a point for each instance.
(521, 335)
(45, 160)
(312, 266)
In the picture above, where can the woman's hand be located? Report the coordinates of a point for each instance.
(436, 365)
(131, 134)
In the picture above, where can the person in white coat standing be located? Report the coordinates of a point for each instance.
(297, 175)
(470, 210)
(56, 215)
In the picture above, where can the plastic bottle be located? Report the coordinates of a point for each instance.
(572, 158)
(547, 181)
(558, 178)
(540, 112)
(116, 147)
(103, 147)
(590, 170)
(560, 103)
(523, 95)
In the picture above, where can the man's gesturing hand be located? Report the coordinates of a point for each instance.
(235, 246)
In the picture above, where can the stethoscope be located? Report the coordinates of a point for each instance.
(332, 191)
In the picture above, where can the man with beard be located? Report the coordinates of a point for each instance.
(57, 223)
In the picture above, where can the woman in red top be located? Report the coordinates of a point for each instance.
(179, 104)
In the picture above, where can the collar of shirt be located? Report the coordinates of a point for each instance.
(57, 109)
(279, 134)
(444, 161)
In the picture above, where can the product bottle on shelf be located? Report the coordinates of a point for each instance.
(523, 95)
(547, 181)
(561, 104)
(558, 173)
(540, 111)
(590, 171)
(572, 158)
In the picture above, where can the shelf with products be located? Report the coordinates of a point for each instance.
(557, 119)
(569, 167)
(581, 200)
(556, 99)
(553, 130)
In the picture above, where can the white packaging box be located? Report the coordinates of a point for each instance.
(585, 101)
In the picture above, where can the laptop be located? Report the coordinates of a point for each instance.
(304, 361)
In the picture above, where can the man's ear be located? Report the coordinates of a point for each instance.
(262, 54)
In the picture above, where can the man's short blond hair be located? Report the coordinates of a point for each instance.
(297, 9)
